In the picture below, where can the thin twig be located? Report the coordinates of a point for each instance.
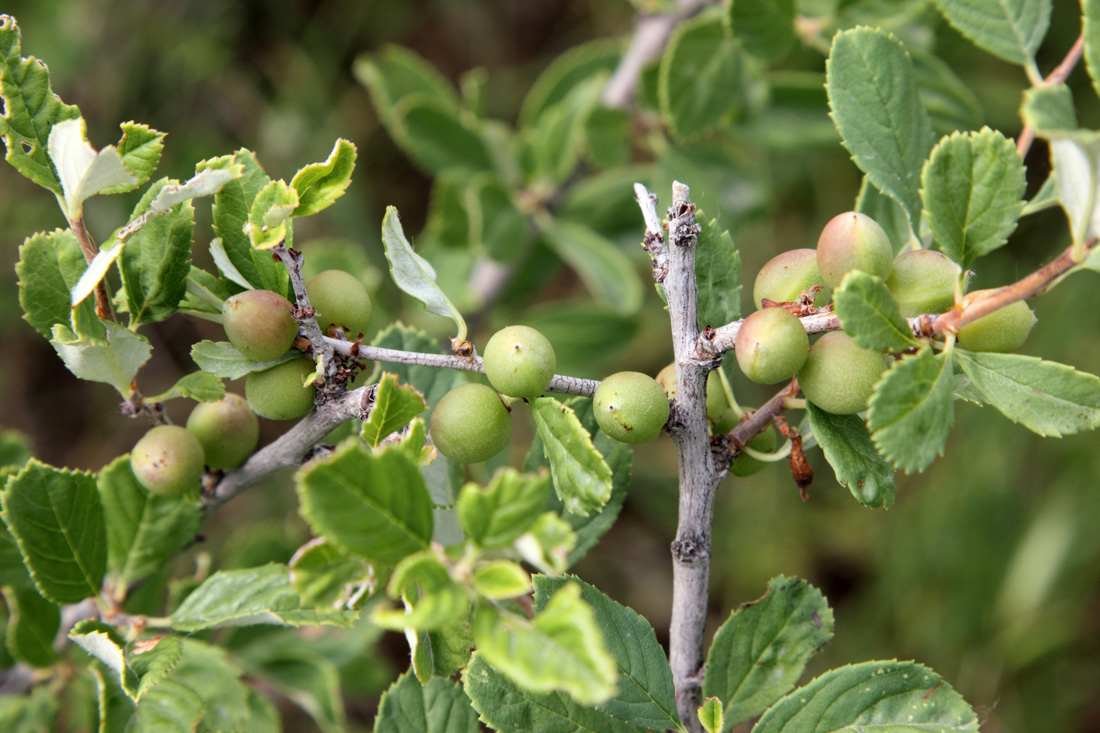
(1060, 74)
(90, 250)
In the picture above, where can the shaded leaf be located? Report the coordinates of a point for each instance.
(870, 314)
(495, 515)
(199, 386)
(1009, 29)
(605, 270)
(1049, 108)
(432, 598)
(1076, 161)
(565, 72)
(440, 706)
(718, 276)
(396, 72)
(441, 653)
(765, 27)
(50, 265)
(700, 75)
(222, 359)
(912, 410)
(848, 448)
(1090, 21)
(438, 139)
(32, 625)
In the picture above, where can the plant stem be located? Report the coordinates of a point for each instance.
(1059, 75)
(90, 250)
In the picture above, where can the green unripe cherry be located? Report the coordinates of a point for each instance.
(923, 281)
(839, 374)
(1001, 331)
(631, 407)
(853, 241)
(227, 429)
(168, 461)
(717, 405)
(279, 393)
(771, 346)
(259, 323)
(339, 298)
(519, 362)
(470, 424)
(785, 276)
(746, 465)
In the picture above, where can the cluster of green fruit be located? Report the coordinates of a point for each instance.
(260, 324)
(835, 373)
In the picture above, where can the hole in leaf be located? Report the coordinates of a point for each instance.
(28, 148)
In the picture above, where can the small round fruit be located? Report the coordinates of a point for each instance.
(279, 393)
(853, 241)
(923, 281)
(259, 324)
(519, 362)
(1002, 330)
(227, 429)
(168, 461)
(340, 299)
(631, 407)
(839, 374)
(771, 346)
(470, 424)
(785, 276)
(746, 465)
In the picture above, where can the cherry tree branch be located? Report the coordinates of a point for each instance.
(1060, 74)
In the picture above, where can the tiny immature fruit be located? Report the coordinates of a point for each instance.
(923, 281)
(260, 324)
(279, 393)
(631, 407)
(784, 277)
(1001, 331)
(168, 461)
(339, 298)
(839, 374)
(519, 362)
(470, 424)
(771, 346)
(227, 429)
(853, 241)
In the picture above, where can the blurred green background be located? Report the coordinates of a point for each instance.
(987, 568)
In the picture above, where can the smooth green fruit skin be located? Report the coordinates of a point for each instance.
(339, 298)
(923, 281)
(278, 393)
(168, 461)
(259, 323)
(746, 465)
(227, 429)
(785, 276)
(470, 424)
(717, 405)
(771, 346)
(520, 362)
(839, 375)
(631, 407)
(1001, 331)
(853, 241)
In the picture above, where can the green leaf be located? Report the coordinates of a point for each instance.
(260, 595)
(887, 212)
(432, 598)
(912, 410)
(83, 171)
(606, 137)
(374, 505)
(499, 580)
(140, 148)
(57, 521)
(12, 570)
(565, 73)
(137, 674)
(442, 653)
(414, 274)
(605, 270)
(226, 702)
(15, 450)
(764, 27)
(973, 188)
(32, 625)
(144, 531)
(232, 206)
(493, 223)
(396, 72)
(553, 144)
(1076, 161)
(318, 185)
(113, 360)
(495, 515)
(1049, 109)
(222, 359)
(1090, 21)
(268, 218)
(325, 575)
(156, 260)
(877, 108)
(1046, 397)
(1009, 29)
(645, 697)
(199, 386)
(436, 138)
(578, 329)
(562, 649)
(582, 478)
(170, 706)
(50, 265)
(394, 407)
(448, 222)
(700, 76)
(896, 696)
(31, 109)
(950, 103)
(206, 295)
(848, 448)
(718, 276)
(710, 715)
(153, 665)
(760, 651)
(509, 708)
(870, 313)
(440, 706)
